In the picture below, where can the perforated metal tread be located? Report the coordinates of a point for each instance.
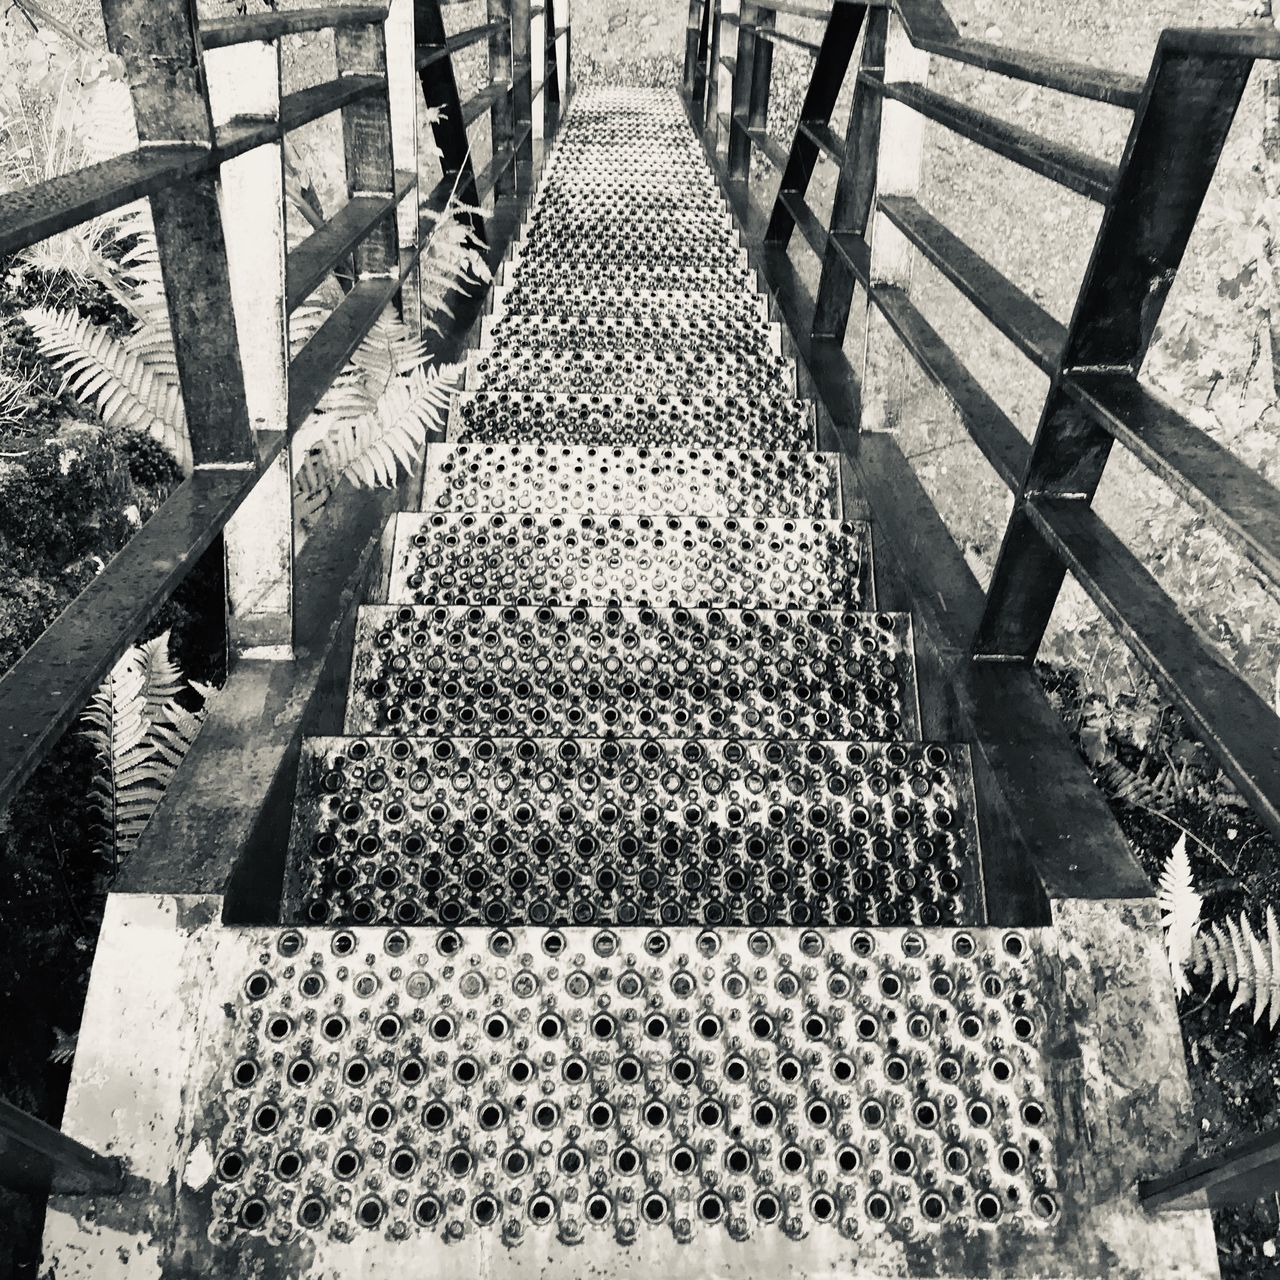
(696, 562)
(652, 420)
(657, 333)
(632, 831)
(609, 481)
(670, 672)
(648, 306)
(705, 372)
(868, 1092)
(551, 278)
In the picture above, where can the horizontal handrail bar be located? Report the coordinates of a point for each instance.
(561, 31)
(1022, 320)
(35, 1156)
(775, 36)
(491, 174)
(1233, 497)
(310, 262)
(1065, 165)
(537, 90)
(929, 27)
(306, 105)
(1243, 1173)
(1115, 88)
(48, 687)
(989, 427)
(1220, 708)
(763, 141)
(218, 33)
(824, 138)
(729, 63)
(426, 54)
(43, 209)
(807, 222)
(313, 370)
(797, 9)
(480, 102)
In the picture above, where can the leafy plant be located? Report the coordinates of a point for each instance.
(1231, 953)
(128, 388)
(141, 731)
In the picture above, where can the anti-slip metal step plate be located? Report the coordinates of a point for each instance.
(716, 373)
(617, 672)
(695, 562)
(806, 1099)
(632, 831)
(553, 277)
(659, 334)
(616, 481)
(650, 306)
(699, 421)
(714, 249)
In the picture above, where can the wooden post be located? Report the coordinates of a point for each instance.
(855, 188)
(402, 94)
(522, 91)
(258, 544)
(897, 172)
(1241, 1174)
(501, 130)
(35, 1156)
(366, 136)
(156, 40)
(440, 90)
(551, 74)
(712, 120)
(692, 30)
(740, 102)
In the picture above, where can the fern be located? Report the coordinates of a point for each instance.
(1180, 905)
(1248, 965)
(141, 733)
(124, 388)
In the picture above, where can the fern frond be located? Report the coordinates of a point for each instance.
(162, 680)
(1246, 964)
(123, 388)
(1180, 906)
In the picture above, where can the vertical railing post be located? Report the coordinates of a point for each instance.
(692, 34)
(538, 68)
(440, 92)
(711, 120)
(740, 101)
(258, 544)
(897, 173)
(156, 41)
(566, 92)
(402, 94)
(698, 92)
(855, 188)
(366, 137)
(501, 128)
(522, 91)
(223, 326)
(551, 74)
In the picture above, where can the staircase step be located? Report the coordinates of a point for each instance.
(660, 334)
(637, 306)
(615, 253)
(658, 1099)
(700, 562)
(765, 377)
(669, 672)
(614, 481)
(632, 831)
(552, 277)
(698, 421)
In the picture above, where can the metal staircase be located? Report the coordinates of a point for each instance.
(630, 913)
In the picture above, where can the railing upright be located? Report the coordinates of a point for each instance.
(502, 112)
(522, 90)
(899, 157)
(855, 191)
(739, 155)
